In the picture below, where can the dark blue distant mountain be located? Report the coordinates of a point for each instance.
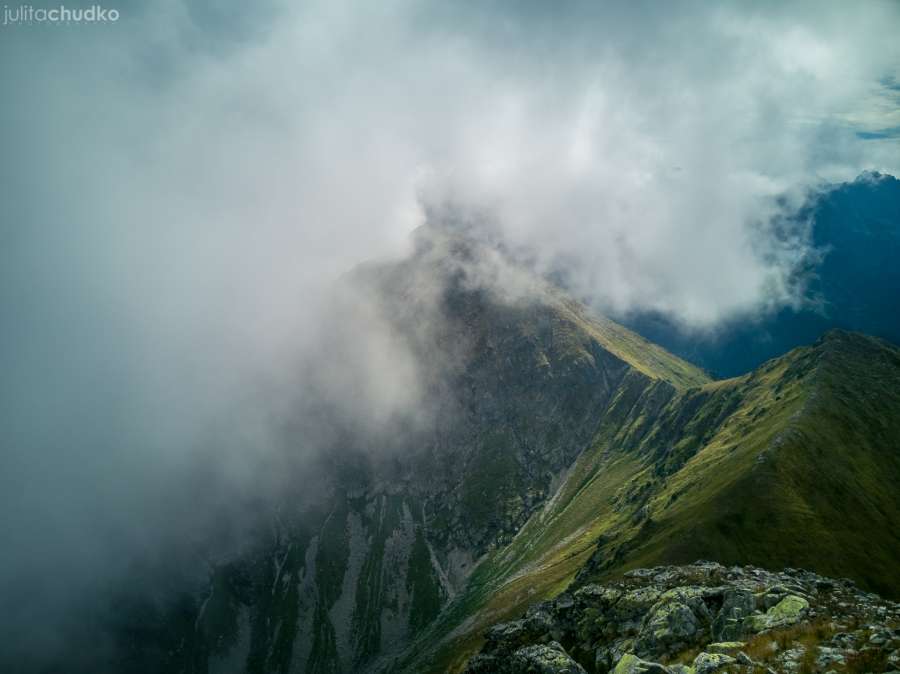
(856, 286)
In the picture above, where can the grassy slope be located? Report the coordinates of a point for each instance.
(795, 464)
(824, 496)
(644, 356)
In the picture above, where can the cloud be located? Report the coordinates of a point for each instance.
(181, 188)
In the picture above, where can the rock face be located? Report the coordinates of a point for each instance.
(704, 618)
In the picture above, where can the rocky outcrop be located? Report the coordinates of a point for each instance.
(535, 659)
(699, 619)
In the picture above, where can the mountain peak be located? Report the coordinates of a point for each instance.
(864, 350)
(470, 266)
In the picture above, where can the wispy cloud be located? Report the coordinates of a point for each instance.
(181, 187)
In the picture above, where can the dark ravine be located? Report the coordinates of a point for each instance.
(562, 448)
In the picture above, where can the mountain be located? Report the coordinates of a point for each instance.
(855, 230)
(793, 464)
(516, 378)
(551, 446)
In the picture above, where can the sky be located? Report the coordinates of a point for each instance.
(180, 188)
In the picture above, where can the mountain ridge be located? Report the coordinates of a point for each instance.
(551, 446)
(630, 513)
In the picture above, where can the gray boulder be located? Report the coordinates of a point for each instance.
(705, 663)
(632, 664)
(536, 659)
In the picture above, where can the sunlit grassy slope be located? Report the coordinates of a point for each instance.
(795, 464)
(644, 356)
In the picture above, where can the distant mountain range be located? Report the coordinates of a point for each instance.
(856, 227)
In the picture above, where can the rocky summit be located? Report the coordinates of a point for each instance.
(698, 619)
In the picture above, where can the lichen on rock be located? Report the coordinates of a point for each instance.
(700, 619)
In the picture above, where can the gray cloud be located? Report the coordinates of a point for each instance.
(181, 188)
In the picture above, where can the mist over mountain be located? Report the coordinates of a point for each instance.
(529, 443)
(335, 332)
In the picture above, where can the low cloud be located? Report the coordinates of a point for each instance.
(183, 188)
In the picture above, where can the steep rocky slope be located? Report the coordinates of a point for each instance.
(517, 378)
(551, 447)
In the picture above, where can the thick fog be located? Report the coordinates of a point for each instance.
(181, 189)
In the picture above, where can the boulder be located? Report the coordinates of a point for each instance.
(829, 656)
(711, 662)
(632, 664)
(789, 611)
(536, 659)
(670, 627)
(737, 605)
(506, 637)
(544, 659)
(726, 647)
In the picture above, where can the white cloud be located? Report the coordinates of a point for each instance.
(181, 188)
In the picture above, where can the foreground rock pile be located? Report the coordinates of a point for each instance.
(700, 619)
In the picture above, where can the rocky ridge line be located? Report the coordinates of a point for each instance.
(699, 619)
